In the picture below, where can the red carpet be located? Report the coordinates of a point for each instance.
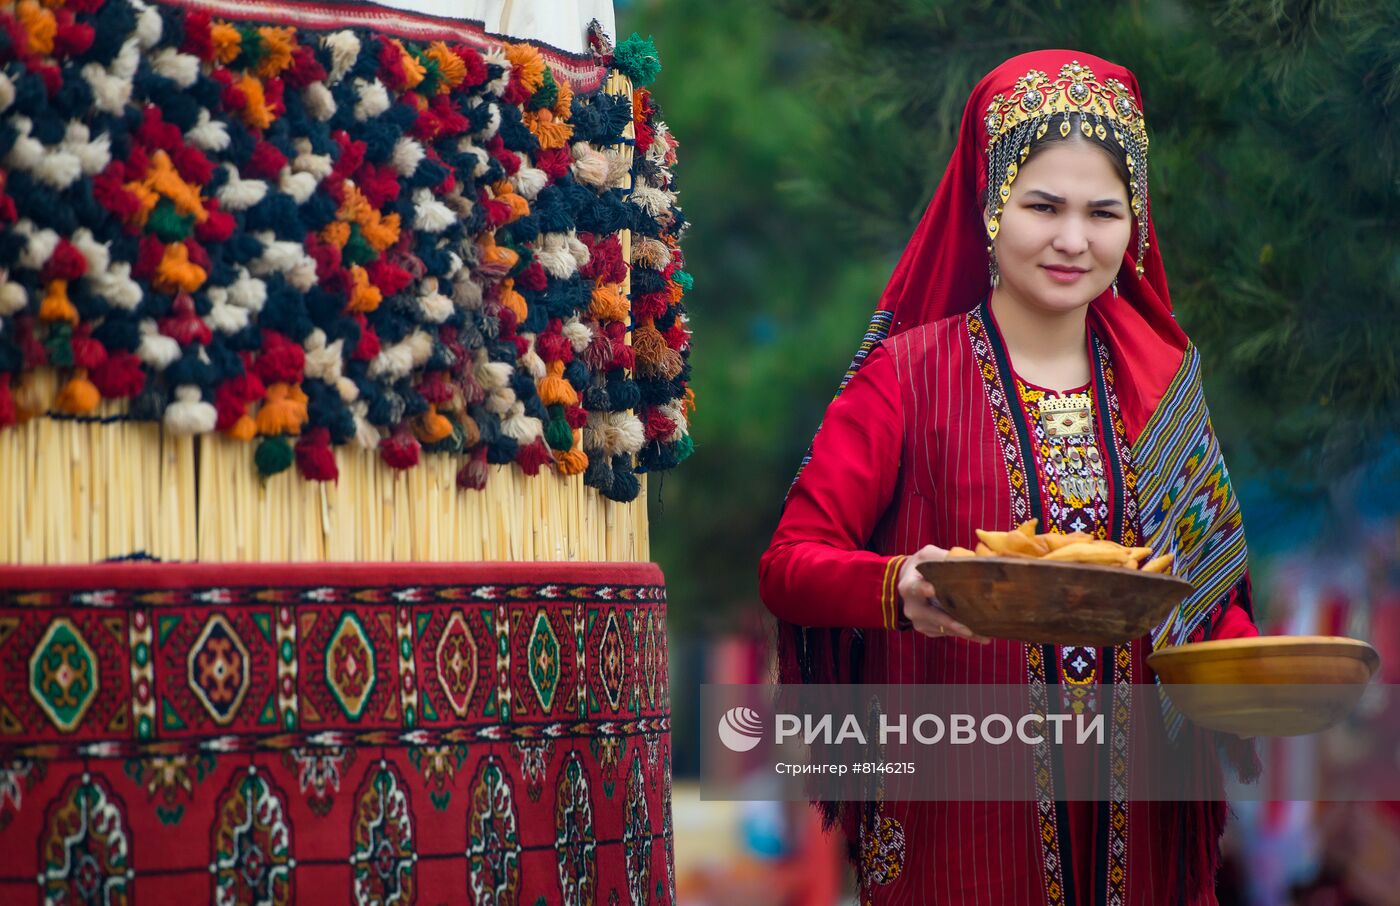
(334, 733)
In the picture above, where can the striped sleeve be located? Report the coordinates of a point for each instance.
(816, 571)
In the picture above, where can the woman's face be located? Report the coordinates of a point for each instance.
(1065, 228)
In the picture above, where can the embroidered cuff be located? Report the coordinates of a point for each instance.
(890, 604)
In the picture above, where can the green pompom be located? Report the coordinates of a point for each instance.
(684, 280)
(636, 58)
(559, 435)
(58, 345)
(274, 455)
(168, 224)
(357, 248)
(683, 448)
(546, 94)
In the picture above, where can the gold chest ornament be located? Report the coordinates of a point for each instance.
(1066, 416)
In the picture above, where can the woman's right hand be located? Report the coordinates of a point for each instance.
(920, 600)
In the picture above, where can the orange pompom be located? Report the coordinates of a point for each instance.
(79, 396)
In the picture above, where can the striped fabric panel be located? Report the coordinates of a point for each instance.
(1187, 505)
(879, 329)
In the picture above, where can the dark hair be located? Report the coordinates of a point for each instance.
(1109, 145)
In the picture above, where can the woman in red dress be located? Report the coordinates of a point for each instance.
(1066, 393)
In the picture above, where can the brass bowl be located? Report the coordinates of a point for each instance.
(1053, 603)
(1267, 685)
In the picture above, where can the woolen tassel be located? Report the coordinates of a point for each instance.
(282, 411)
(315, 459)
(56, 305)
(609, 303)
(244, 428)
(534, 456)
(572, 461)
(79, 396)
(471, 432)
(400, 451)
(513, 300)
(557, 432)
(8, 416)
(625, 486)
(33, 395)
(472, 476)
(432, 426)
(273, 455)
(554, 389)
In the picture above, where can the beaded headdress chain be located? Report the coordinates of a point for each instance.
(1036, 105)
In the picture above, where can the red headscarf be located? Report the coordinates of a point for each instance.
(943, 270)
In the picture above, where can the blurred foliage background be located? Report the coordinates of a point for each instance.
(813, 132)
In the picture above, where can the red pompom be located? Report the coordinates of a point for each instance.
(605, 263)
(73, 39)
(650, 305)
(281, 360)
(109, 190)
(533, 277)
(554, 162)
(305, 68)
(198, 41)
(368, 347)
(7, 404)
(352, 154)
(315, 459)
(658, 426)
(533, 456)
(435, 388)
(496, 147)
(66, 263)
(325, 254)
(155, 132)
(230, 406)
(390, 278)
(576, 416)
(148, 256)
(472, 476)
(184, 324)
(218, 226)
(476, 67)
(191, 164)
(119, 377)
(266, 161)
(553, 346)
(677, 337)
(399, 451)
(87, 352)
(380, 185)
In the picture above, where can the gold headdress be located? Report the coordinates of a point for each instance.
(1102, 108)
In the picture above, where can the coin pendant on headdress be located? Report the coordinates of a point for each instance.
(1032, 99)
(1124, 107)
(1100, 131)
(1078, 92)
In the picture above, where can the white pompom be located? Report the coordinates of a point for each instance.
(345, 49)
(239, 194)
(189, 414)
(7, 92)
(97, 255)
(116, 286)
(531, 361)
(247, 292)
(435, 307)
(12, 298)
(301, 186)
(318, 165)
(319, 101)
(521, 427)
(614, 432)
(429, 214)
(207, 134)
(528, 182)
(156, 349)
(40, 245)
(374, 99)
(226, 318)
(408, 154)
(180, 68)
(149, 27)
(578, 334)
